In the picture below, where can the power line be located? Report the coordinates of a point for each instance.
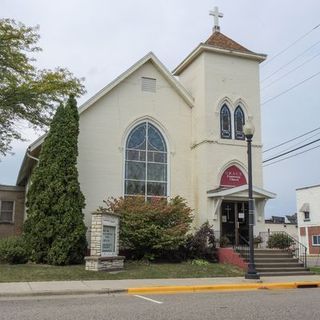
(295, 149)
(291, 88)
(283, 143)
(294, 59)
(291, 45)
(296, 68)
(294, 155)
(304, 140)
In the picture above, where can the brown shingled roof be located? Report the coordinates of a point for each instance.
(221, 41)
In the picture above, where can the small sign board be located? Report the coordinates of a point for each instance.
(241, 215)
(108, 239)
(233, 177)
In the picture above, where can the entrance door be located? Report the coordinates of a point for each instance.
(234, 221)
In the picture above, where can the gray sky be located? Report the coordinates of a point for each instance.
(99, 39)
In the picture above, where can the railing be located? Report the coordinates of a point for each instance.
(288, 243)
(242, 247)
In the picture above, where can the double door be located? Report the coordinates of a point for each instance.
(235, 221)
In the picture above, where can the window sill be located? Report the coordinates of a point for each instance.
(306, 220)
(6, 222)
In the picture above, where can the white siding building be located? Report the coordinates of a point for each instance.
(308, 208)
(160, 134)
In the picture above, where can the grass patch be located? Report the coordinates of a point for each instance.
(315, 270)
(132, 270)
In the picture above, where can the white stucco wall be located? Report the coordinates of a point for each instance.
(103, 128)
(310, 195)
(213, 78)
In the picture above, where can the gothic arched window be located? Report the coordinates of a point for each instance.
(239, 122)
(225, 122)
(146, 162)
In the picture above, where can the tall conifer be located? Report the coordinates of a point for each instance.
(54, 228)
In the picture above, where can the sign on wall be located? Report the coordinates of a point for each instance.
(108, 239)
(232, 177)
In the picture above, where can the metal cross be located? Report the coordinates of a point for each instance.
(216, 15)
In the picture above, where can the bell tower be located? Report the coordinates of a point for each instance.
(223, 77)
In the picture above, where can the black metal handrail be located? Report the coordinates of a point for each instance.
(292, 245)
(242, 248)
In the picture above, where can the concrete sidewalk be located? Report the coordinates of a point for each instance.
(152, 285)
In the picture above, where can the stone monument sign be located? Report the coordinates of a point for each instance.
(104, 247)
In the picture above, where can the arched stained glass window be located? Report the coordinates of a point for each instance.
(146, 162)
(225, 122)
(239, 122)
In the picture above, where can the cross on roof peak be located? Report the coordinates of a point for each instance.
(216, 15)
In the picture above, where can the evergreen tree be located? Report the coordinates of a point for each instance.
(54, 228)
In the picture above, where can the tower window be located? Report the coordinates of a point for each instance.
(238, 124)
(225, 122)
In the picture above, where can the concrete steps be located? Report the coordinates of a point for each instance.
(275, 262)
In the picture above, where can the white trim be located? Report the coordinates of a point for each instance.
(203, 47)
(13, 211)
(233, 191)
(316, 244)
(124, 139)
(158, 64)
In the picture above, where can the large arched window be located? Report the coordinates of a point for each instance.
(239, 122)
(146, 162)
(225, 122)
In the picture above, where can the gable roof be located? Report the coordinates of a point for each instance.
(28, 161)
(219, 40)
(150, 57)
(219, 43)
(236, 191)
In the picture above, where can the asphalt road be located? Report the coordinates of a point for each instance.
(300, 304)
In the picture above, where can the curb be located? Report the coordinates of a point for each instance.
(224, 287)
(61, 293)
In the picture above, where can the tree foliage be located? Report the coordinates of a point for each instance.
(54, 229)
(27, 93)
(148, 229)
(202, 244)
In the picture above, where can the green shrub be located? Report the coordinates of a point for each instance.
(279, 241)
(54, 229)
(202, 245)
(199, 262)
(13, 250)
(151, 229)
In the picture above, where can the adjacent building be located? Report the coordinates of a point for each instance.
(308, 207)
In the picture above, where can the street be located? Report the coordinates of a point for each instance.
(246, 305)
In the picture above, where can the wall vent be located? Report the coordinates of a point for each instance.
(148, 84)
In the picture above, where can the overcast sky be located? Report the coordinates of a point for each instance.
(99, 39)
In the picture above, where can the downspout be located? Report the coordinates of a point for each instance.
(30, 156)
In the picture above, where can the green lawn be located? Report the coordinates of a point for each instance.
(315, 270)
(132, 270)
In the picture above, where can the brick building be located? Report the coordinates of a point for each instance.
(12, 204)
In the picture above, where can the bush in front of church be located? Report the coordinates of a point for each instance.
(54, 229)
(202, 244)
(151, 229)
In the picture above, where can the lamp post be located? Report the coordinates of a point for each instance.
(248, 131)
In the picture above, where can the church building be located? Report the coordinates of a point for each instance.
(156, 133)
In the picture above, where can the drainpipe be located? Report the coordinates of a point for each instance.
(30, 156)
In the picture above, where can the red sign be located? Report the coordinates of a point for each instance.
(233, 177)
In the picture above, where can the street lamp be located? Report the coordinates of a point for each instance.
(248, 131)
